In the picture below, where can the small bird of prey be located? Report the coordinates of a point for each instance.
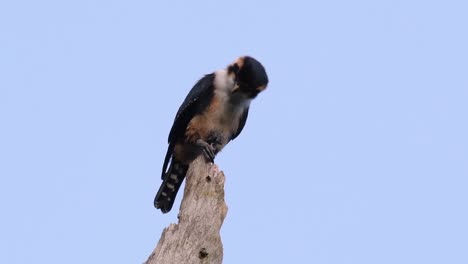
(213, 113)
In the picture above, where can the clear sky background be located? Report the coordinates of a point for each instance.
(356, 153)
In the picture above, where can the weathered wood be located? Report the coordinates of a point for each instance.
(196, 238)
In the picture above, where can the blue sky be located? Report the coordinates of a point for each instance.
(356, 153)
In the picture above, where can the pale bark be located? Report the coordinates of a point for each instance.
(196, 238)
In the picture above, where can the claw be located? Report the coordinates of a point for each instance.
(208, 153)
(208, 150)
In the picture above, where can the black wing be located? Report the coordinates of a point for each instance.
(196, 101)
(241, 123)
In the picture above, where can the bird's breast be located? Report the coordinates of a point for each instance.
(225, 114)
(220, 119)
(222, 116)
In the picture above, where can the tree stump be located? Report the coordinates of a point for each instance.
(196, 238)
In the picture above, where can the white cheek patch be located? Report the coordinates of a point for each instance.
(223, 81)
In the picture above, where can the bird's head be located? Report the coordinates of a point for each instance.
(249, 75)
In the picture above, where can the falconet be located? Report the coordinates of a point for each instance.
(213, 113)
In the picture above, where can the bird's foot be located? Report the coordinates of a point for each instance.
(208, 150)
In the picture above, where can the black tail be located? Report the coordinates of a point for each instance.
(171, 183)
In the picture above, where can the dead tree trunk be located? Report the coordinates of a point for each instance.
(196, 238)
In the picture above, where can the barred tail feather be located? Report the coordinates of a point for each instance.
(172, 181)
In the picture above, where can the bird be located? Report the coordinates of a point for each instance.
(213, 114)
